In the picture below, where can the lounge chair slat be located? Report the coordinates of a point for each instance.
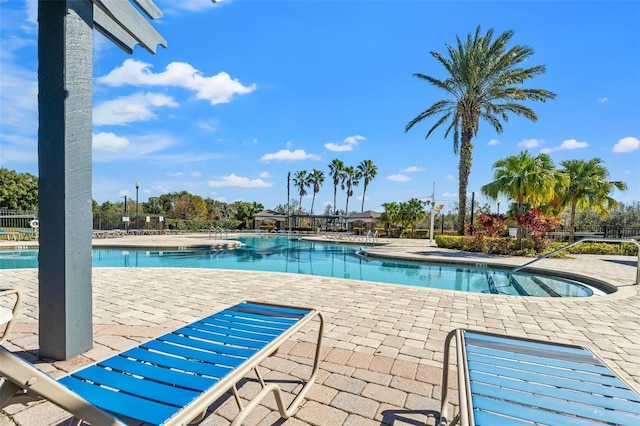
(242, 338)
(590, 367)
(504, 396)
(241, 323)
(485, 418)
(257, 318)
(258, 324)
(607, 386)
(194, 354)
(200, 325)
(523, 347)
(190, 366)
(162, 375)
(630, 405)
(137, 386)
(521, 412)
(121, 403)
(195, 340)
(279, 311)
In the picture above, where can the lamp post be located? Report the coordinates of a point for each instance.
(498, 207)
(126, 224)
(137, 222)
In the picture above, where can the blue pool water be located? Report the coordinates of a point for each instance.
(283, 254)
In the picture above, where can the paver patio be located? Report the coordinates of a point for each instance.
(382, 360)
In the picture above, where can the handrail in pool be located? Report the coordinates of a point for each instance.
(604, 240)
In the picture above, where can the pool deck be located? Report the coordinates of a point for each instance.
(383, 348)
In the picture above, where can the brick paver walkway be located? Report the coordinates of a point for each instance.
(382, 359)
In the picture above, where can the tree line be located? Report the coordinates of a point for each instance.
(347, 177)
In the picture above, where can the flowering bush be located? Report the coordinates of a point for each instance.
(492, 225)
(536, 225)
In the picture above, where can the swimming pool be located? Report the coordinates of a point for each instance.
(293, 255)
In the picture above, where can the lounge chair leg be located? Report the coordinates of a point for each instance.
(236, 395)
(75, 422)
(259, 376)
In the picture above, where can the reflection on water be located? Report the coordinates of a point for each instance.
(294, 255)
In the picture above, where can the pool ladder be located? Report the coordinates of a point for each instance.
(216, 231)
(604, 240)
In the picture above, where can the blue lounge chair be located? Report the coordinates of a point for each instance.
(175, 378)
(504, 380)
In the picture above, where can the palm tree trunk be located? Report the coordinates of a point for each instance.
(519, 229)
(464, 169)
(572, 222)
(313, 201)
(364, 192)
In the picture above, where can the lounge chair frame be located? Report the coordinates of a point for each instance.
(513, 380)
(26, 383)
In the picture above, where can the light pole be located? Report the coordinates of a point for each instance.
(126, 224)
(137, 222)
(498, 207)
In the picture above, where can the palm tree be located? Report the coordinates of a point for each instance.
(289, 199)
(368, 172)
(316, 179)
(483, 81)
(412, 212)
(336, 172)
(525, 179)
(301, 181)
(390, 215)
(587, 187)
(351, 178)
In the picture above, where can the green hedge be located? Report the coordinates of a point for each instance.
(508, 246)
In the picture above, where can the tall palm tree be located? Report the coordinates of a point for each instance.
(587, 187)
(336, 168)
(368, 172)
(301, 181)
(525, 179)
(316, 179)
(289, 199)
(351, 178)
(484, 79)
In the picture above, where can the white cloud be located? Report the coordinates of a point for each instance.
(196, 174)
(449, 194)
(602, 100)
(238, 181)
(451, 178)
(216, 89)
(493, 142)
(176, 174)
(208, 125)
(129, 109)
(398, 178)
(285, 154)
(110, 142)
(348, 144)
(530, 143)
(265, 175)
(627, 144)
(108, 146)
(566, 145)
(413, 169)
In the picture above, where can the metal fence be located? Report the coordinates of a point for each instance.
(562, 234)
(14, 220)
(108, 221)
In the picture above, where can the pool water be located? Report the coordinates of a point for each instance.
(293, 255)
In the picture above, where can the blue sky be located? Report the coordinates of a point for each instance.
(248, 91)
